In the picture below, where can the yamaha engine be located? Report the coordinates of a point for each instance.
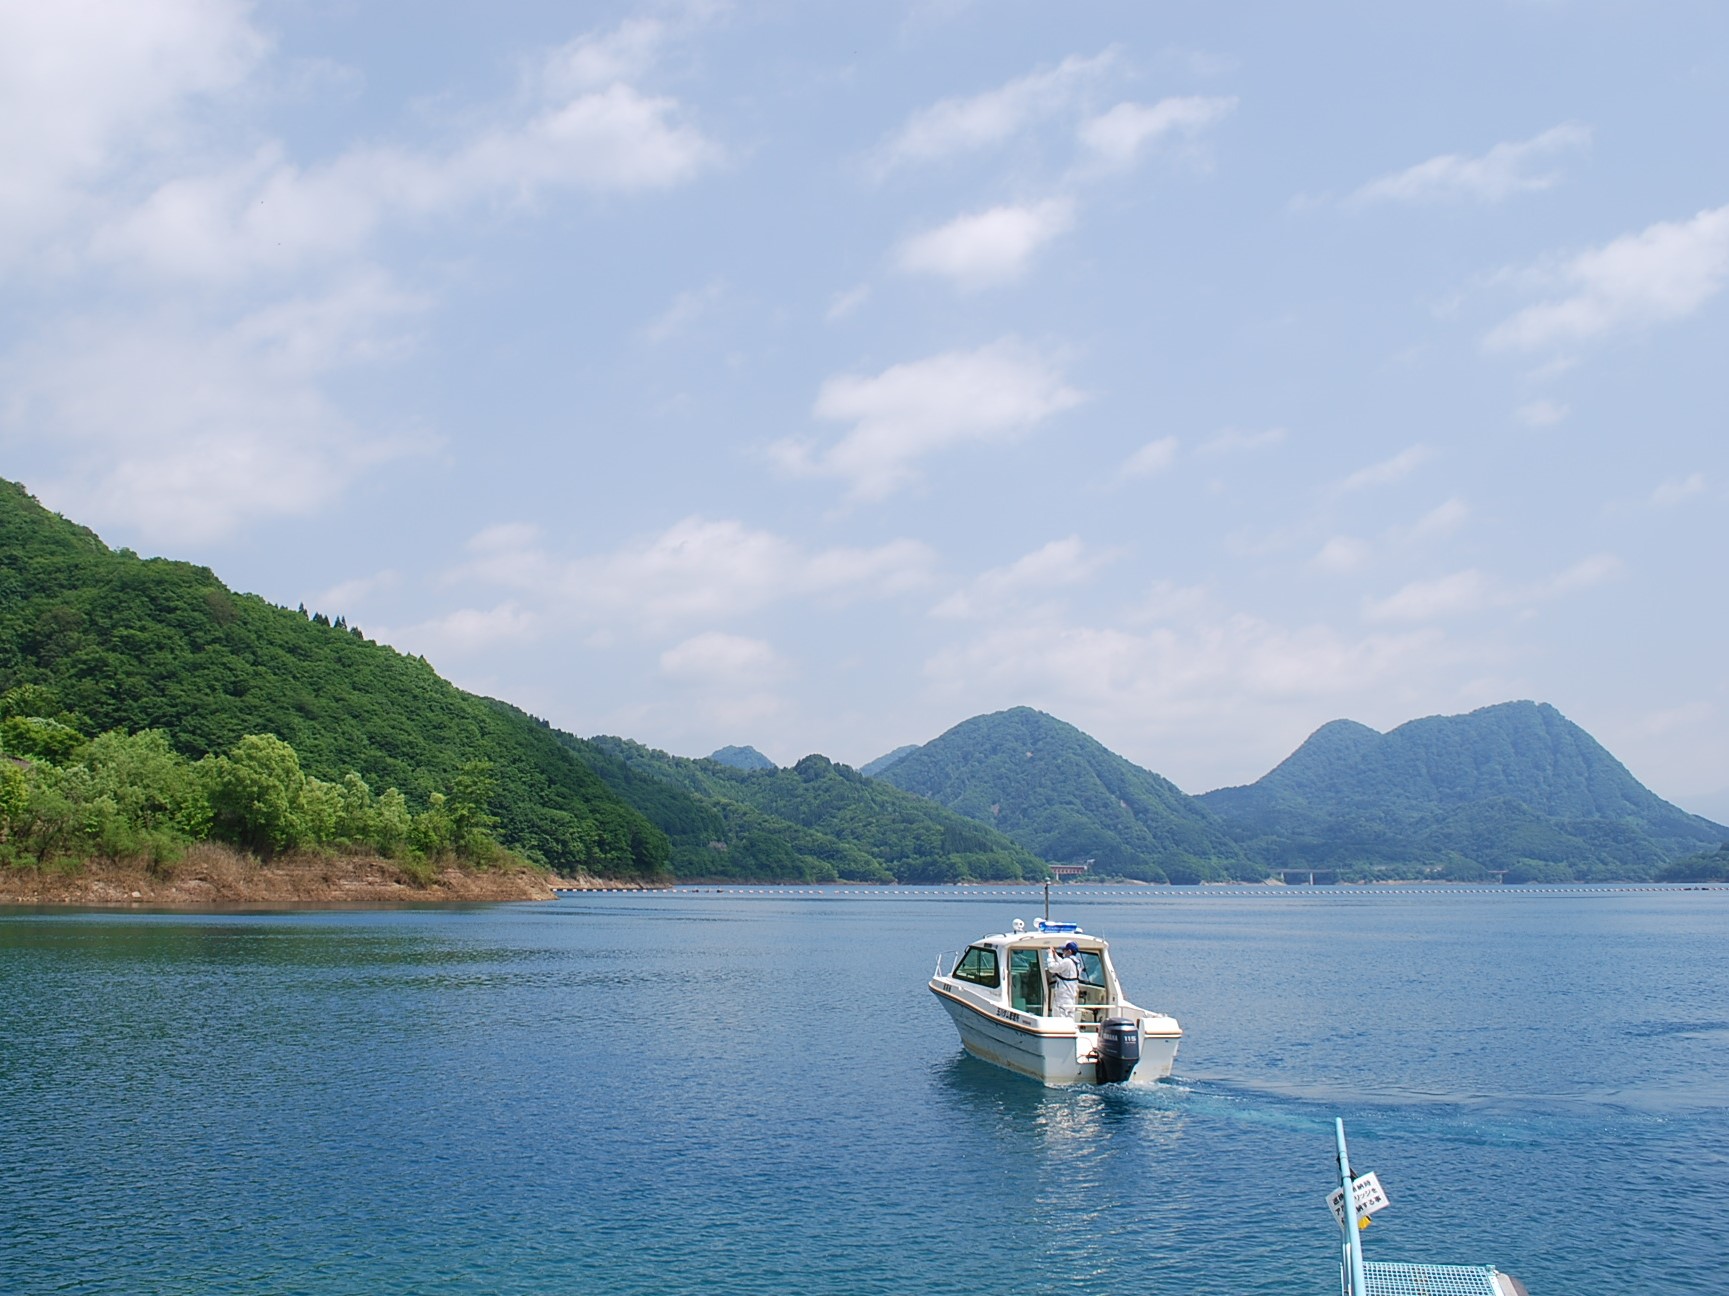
(1119, 1048)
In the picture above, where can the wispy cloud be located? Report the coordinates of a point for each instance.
(715, 658)
(846, 303)
(1151, 459)
(87, 88)
(987, 248)
(1115, 139)
(1542, 412)
(188, 431)
(1471, 591)
(1229, 441)
(987, 120)
(1665, 272)
(1059, 565)
(699, 570)
(1506, 170)
(1678, 490)
(911, 411)
(687, 308)
(1388, 471)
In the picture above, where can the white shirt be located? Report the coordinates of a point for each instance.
(1065, 984)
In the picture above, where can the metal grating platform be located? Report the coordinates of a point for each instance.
(1386, 1279)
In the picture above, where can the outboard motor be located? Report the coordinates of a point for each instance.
(1119, 1048)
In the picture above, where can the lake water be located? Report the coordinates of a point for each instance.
(754, 1092)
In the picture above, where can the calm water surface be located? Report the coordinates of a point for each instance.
(754, 1092)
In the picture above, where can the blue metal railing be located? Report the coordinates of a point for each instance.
(1352, 1281)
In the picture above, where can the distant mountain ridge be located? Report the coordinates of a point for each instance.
(745, 758)
(1067, 798)
(816, 821)
(870, 769)
(1516, 786)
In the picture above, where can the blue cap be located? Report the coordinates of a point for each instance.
(1071, 948)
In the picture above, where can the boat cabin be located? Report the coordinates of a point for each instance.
(1017, 968)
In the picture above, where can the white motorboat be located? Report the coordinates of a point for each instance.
(999, 990)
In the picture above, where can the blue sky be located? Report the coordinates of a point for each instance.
(818, 376)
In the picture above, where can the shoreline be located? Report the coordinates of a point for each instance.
(211, 875)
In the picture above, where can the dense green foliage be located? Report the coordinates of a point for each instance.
(1515, 789)
(1708, 866)
(1066, 798)
(816, 821)
(131, 796)
(744, 758)
(132, 645)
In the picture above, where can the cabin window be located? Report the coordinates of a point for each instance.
(1092, 969)
(979, 965)
(1026, 981)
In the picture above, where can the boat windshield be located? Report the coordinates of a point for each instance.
(1092, 970)
(979, 965)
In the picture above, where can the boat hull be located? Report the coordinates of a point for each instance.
(1050, 1049)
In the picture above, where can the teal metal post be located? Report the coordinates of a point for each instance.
(1356, 1284)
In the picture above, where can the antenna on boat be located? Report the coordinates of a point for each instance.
(1047, 899)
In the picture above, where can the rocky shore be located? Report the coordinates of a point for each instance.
(210, 875)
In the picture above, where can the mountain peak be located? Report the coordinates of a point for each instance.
(744, 758)
(1066, 797)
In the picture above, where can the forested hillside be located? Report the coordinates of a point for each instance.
(1067, 798)
(1515, 787)
(815, 821)
(111, 642)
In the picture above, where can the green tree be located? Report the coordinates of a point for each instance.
(255, 794)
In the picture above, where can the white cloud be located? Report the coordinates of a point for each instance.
(466, 632)
(1236, 441)
(1465, 593)
(727, 681)
(267, 215)
(989, 247)
(986, 120)
(715, 659)
(1059, 565)
(1665, 272)
(1504, 171)
(345, 596)
(1542, 412)
(1438, 523)
(846, 303)
(1115, 138)
(1458, 594)
(1584, 574)
(697, 570)
(1388, 471)
(1151, 459)
(687, 309)
(1172, 674)
(188, 431)
(1342, 554)
(910, 411)
(597, 60)
(1678, 490)
(85, 85)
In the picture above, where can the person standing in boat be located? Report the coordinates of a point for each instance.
(1065, 980)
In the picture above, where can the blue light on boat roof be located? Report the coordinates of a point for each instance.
(1046, 925)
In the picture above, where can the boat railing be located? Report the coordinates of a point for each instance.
(1357, 1198)
(946, 962)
